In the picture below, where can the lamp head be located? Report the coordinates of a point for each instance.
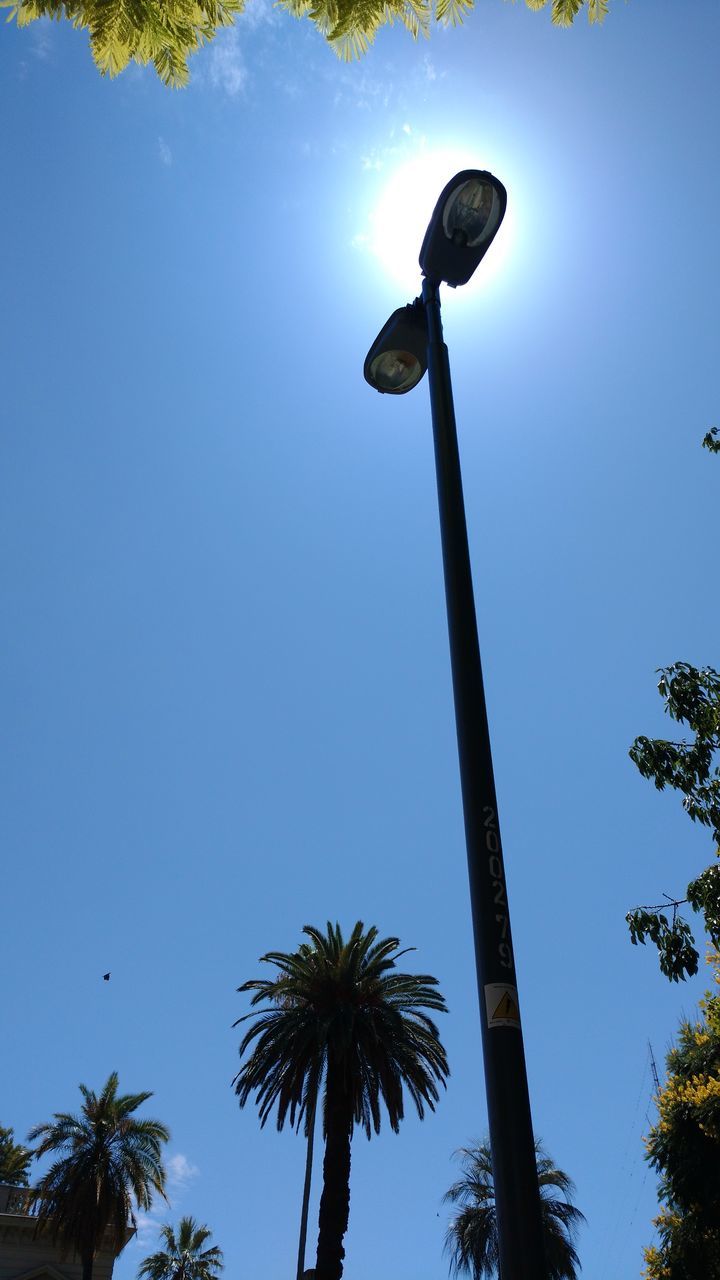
(463, 226)
(397, 358)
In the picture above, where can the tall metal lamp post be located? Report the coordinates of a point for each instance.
(461, 230)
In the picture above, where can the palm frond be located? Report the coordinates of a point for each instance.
(564, 12)
(167, 32)
(471, 1239)
(342, 997)
(109, 1162)
(452, 12)
(183, 1257)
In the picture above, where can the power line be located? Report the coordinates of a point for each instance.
(653, 1068)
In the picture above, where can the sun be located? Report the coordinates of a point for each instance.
(402, 212)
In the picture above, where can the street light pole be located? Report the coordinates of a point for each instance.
(462, 227)
(515, 1179)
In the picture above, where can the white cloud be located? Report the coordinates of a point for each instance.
(365, 92)
(166, 155)
(406, 129)
(430, 72)
(148, 1228)
(258, 13)
(180, 1171)
(227, 68)
(371, 162)
(41, 39)
(379, 157)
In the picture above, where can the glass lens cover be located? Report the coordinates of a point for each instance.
(471, 213)
(396, 370)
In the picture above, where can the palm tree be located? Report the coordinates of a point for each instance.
(183, 1257)
(472, 1237)
(108, 1162)
(14, 1160)
(337, 1020)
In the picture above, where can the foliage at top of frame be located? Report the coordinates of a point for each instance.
(166, 32)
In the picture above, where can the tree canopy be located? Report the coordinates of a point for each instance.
(472, 1241)
(107, 1162)
(684, 1148)
(14, 1160)
(692, 697)
(338, 1019)
(166, 32)
(183, 1256)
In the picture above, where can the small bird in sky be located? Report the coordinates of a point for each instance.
(106, 977)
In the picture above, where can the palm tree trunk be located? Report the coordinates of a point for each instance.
(335, 1199)
(306, 1186)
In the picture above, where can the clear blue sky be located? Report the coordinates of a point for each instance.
(225, 684)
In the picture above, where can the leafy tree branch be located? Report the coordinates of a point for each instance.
(166, 32)
(684, 1148)
(692, 697)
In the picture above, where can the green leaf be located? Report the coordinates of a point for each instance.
(564, 12)
(166, 32)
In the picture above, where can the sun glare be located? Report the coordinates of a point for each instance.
(402, 212)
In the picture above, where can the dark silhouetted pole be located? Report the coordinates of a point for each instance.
(517, 1195)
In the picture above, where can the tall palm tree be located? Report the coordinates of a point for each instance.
(338, 1021)
(15, 1160)
(108, 1163)
(472, 1237)
(183, 1257)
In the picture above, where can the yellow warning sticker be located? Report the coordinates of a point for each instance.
(501, 1005)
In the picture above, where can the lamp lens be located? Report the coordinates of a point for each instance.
(471, 213)
(396, 370)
